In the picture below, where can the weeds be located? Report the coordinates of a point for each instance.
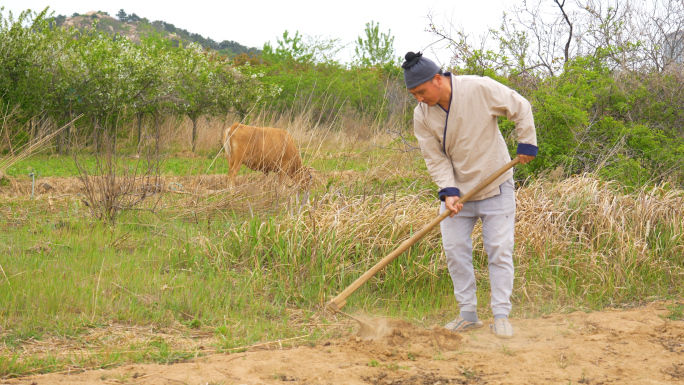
(506, 350)
(230, 269)
(391, 366)
(676, 312)
(563, 361)
(468, 372)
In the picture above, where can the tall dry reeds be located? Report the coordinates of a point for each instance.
(599, 242)
(600, 216)
(26, 150)
(580, 242)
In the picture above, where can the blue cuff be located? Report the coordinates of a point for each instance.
(527, 149)
(448, 192)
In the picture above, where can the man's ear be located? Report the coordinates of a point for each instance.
(438, 79)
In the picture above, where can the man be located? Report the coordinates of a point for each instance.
(456, 126)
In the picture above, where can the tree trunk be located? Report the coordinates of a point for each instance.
(114, 138)
(96, 135)
(194, 134)
(567, 20)
(156, 132)
(67, 134)
(140, 116)
(60, 141)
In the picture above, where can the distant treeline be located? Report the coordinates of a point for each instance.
(91, 66)
(226, 47)
(223, 47)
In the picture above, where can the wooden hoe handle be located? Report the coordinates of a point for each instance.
(338, 302)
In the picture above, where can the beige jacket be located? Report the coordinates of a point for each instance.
(474, 147)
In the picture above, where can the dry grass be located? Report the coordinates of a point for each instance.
(591, 240)
(379, 220)
(596, 214)
(28, 149)
(585, 241)
(309, 132)
(581, 242)
(552, 218)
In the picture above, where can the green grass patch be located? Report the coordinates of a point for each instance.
(676, 312)
(65, 166)
(46, 166)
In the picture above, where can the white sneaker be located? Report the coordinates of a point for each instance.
(460, 325)
(502, 328)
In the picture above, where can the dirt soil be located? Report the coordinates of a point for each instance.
(631, 346)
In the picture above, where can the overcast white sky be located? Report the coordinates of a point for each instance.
(252, 23)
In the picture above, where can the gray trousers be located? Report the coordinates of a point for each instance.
(498, 227)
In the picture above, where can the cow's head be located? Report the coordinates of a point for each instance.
(306, 176)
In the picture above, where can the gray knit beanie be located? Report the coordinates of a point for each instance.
(418, 69)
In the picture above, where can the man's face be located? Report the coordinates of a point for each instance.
(428, 92)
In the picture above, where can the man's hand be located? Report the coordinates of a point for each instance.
(452, 204)
(525, 159)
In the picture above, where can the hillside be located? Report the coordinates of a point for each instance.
(132, 26)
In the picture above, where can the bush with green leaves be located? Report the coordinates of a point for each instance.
(63, 71)
(622, 125)
(326, 87)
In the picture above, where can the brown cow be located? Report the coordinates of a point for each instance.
(264, 149)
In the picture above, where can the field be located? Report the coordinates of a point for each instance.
(229, 283)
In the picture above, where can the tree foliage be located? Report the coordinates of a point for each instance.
(603, 80)
(63, 71)
(122, 15)
(377, 49)
(306, 70)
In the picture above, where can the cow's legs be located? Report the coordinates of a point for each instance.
(235, 163)
(227, 147)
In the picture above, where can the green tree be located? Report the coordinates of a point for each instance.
(293, 48)
(122, 15)
(377, 49)
(153, 74)
(249, 90)
(23, 45)
(202, 84)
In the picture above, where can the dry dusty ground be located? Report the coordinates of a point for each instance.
(633, 346)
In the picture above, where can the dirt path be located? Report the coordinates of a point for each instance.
(634, 346)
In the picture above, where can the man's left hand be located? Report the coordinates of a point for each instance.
(525, 159)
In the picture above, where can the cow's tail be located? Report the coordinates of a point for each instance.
(227, 134)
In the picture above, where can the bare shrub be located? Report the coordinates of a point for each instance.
(116, 183)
